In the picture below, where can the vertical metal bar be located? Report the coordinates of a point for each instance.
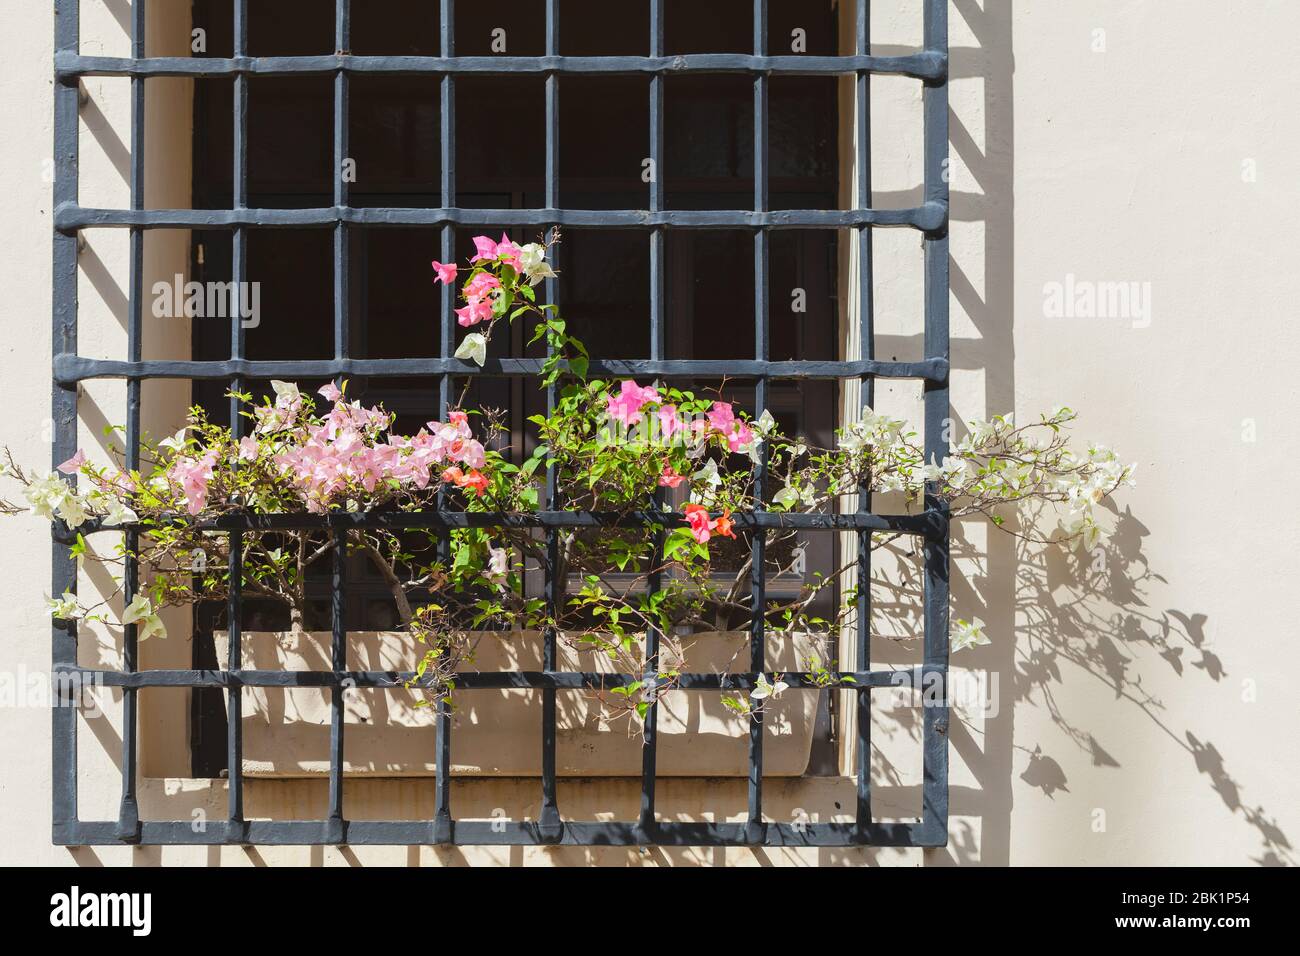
(867, 350)
(239, 200)
(447, 146)
(650, 741)
(237, 826)
(552, 107)
(128, 821)
(935, 705)
(758, 546)
(63, 408)
(443, 826)
(337, 827)
(338, 579)
(342, 44)
(656, 125)
(550, 825)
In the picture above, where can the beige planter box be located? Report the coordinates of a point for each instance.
(498, 732)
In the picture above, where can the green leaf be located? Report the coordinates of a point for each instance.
(679, 539)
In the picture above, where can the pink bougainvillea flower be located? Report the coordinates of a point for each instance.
(479, 296)
(330, 392)
(626, 406)
(669, 423)
(71, 466)
(446, 272)
(670, 478)
(503, 251)
(509, 253)
(697, 519)
(721, 417)
(120, 482)
(193, 475)
(474, 313)
(472, 454)
(737, 433)
(248, 448)
(486, 249)
(481, 285)
(741, 437)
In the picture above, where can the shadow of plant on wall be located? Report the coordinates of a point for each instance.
(1095, 613)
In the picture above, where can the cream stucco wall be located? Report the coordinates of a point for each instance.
(1142, 707)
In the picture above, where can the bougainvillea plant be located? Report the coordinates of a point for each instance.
(615, 448)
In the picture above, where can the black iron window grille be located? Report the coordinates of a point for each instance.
(930, 218)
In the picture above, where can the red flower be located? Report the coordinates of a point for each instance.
(475, 480)
(670, 478)
(697, 518)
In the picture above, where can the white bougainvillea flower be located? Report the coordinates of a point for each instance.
(954, 470)
(787, 498)
(891, 480)
(1085, 531)
(763, 690)
(286, 393)
(498, 566)
(710, 479)
(137, 609)
(141, 612)
(981, 432)
(930, 472)
(890, 429)
(176, 442)
(46, 493)
(473, 348)
(64, 608)
(966, 634)
(852, 442)
(533, 259)
(72, 509)
(117, 512)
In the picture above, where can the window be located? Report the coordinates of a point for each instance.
(714, 157)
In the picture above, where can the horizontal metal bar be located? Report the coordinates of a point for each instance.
(70, 369)
(508, 833)
(916, 677)
(69, 217)
(929, 66)
(926, 523)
